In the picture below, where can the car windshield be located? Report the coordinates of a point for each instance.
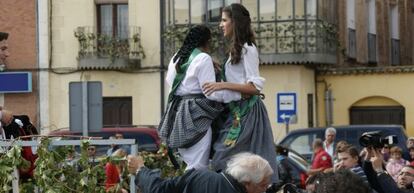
(299, 160)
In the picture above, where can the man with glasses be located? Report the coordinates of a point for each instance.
(92, 155)
(405, 178)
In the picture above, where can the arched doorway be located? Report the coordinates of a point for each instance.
(377, 110)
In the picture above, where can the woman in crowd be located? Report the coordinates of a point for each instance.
(396, 162)
(186, 125)
(247, 127)
(114, 170)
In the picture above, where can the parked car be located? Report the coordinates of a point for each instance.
(301, 140)
(299, 166)
(146, 136)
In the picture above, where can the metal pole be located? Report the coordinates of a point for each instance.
(287, 126)
(134, 151)
(85, 108)
(15, 182)
(162, 52)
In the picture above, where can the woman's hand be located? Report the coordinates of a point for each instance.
(210, 87)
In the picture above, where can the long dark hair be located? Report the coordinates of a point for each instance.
(198, 36)
(3, 36)
(242, 30)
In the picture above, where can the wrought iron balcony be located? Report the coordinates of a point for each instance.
(107, 52)
(297, 41)
(279, 42)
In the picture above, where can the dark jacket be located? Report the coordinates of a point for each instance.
(21, 126)
(388, 184)
(193, 181)
(15, 130)
(372, 176)
(284, 169)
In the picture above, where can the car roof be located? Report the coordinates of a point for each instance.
(340, 127)
(149, 130)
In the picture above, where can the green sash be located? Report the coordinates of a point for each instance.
(237, 112)
(179, 77)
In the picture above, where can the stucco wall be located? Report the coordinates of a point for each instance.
(144, 88)
(287, 78)
(145, 97)
(348, 90)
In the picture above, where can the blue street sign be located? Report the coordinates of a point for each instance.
(286, 106)
(15, 82)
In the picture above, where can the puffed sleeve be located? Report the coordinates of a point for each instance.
(205, 74)
(170, 73)
(251, 66)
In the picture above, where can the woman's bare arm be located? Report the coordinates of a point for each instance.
(245, 89)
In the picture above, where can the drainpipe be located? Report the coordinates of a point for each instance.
(162, 17)
(328, 100)
(43, 61)
(329, 107)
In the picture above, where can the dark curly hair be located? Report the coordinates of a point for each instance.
(198, 36)
(242, 30)
(342, 181)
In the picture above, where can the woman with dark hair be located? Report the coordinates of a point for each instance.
(247, 127)
(186, 125)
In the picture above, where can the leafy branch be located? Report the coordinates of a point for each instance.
(59, 171)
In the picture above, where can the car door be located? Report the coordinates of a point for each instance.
(302, 143)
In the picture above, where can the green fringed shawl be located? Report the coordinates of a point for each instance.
(237, 112)
(179, 77)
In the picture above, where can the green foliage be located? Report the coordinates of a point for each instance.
(104, 45)
(56, 173)
(161, 161)
(59, 171)
(8, 162)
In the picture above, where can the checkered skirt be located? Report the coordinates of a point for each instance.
(187, 120)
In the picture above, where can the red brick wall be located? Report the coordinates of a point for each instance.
(18, 18)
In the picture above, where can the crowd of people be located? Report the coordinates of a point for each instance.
(381, 170)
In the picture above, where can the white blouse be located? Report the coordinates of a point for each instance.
(200, 71)
(247, 70)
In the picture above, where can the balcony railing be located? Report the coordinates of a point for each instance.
(288, 41)
(297, 41)
(102, 51)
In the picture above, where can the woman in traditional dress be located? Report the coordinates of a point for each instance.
(247, 127)
(186, 125)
